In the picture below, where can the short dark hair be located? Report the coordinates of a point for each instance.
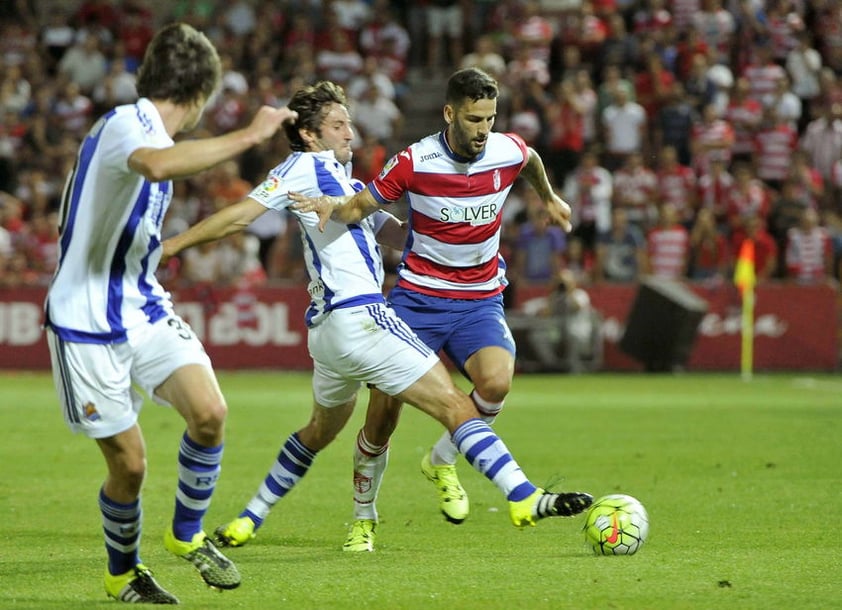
(180, 65)
(311, 103)
(472, 84)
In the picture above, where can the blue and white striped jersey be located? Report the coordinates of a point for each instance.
(344, 263)
(110, 233)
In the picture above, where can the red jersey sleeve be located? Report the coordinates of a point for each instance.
(394, 179)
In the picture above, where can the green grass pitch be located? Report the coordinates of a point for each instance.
(742, 482)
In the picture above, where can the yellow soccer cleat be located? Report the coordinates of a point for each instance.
(137, 587)
(453, 501)
(361, 536)
(235, 533)
(214, 567)
(542, 504)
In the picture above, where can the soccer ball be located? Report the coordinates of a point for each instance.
(616, 525)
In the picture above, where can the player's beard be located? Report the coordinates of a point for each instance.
(464, 144)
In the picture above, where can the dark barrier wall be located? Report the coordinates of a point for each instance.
(795, 327)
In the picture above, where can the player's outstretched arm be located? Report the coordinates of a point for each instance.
(345, 209)
(227, 221)
(191, 156)
(536, 174)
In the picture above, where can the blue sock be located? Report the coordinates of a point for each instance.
(292, 463)
(121, 526)
(488, 454)
(198, 471)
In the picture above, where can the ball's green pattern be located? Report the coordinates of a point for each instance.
(616, 524)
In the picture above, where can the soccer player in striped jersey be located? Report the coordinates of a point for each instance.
(111, 325)
(452, 275)
(354, 337)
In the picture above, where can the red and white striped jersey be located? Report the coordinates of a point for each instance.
(807, 253)
(668, 249)
(455, 207)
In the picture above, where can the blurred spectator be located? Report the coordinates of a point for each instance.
(711, 138)
(135, 32)
(783, 24)
(565, 131)
(635, 192)
(674, 124)
(667, 246)
(585, 96)
(653, 85)
(383, 35)
(698, 85)
(612, 81)
(369, 158)
(15, 90)
(84, 64)
(785, 104)
(804, 64)
(822, 140)
(341, 61)
(581, 325)
(762, 73)
(589, 189)
(534, 33)
(225, 186)
(118, 87)
(376, 115)
(809, 250)
(714, 187)
(619, 48)
(749, 198)
(445, 24)
(486, 57)
(676, 185)
(774, 142)
(620, 251)
(73, 109)
(371, 75)
(808, 182)
(765, 249)
(539, 246)
(239, 17)
(579, 260)
(709, 257)
(624, 126)
(716, 26)
(745, 114)
(786, 213)
(351, 14)
(56, 36)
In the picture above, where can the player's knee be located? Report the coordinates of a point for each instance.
(209, 422)
(130, 476)
(493, 388)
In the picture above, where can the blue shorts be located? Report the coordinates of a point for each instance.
(459, 327)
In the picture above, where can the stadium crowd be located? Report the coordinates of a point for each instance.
(675, 128)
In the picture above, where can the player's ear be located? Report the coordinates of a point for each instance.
(448, 114)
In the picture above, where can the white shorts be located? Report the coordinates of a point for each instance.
(445, 19)
(95, 382)
(365, 344)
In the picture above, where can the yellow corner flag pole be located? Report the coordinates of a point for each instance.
(745, 279)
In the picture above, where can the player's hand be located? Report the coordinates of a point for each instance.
(560, 212)
(268, 120)
(323, 206)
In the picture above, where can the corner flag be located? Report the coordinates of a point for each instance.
(745, 278)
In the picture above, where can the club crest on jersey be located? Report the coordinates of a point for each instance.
(496, 178)
(388, 167)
